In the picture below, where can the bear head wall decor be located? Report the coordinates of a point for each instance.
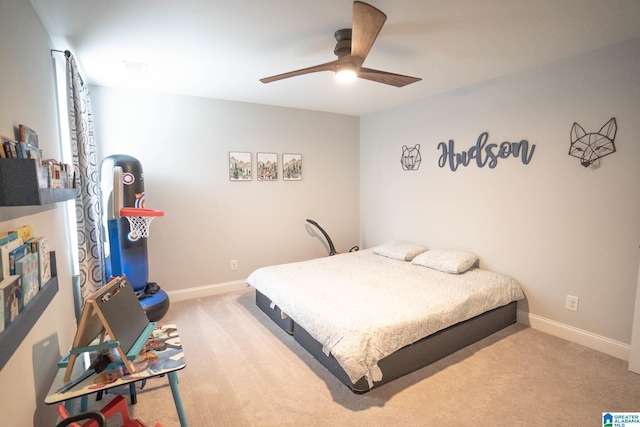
(411, 158)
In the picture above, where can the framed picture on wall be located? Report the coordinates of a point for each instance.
(239, 166)
(267, 166)
(291, 167)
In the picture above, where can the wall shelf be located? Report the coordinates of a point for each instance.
(19, 185)
(15, 333)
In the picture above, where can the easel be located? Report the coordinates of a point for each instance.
(113, 310)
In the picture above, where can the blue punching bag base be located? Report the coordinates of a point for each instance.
(156, 305)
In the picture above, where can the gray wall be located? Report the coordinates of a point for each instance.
(28, 96)
(183, 144)
(555, 226)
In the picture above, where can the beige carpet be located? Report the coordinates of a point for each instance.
(242, 370)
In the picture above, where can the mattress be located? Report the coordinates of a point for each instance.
(361, 306)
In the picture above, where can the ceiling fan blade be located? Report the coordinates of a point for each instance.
(328, 66)
(397, 80)
(366, 24)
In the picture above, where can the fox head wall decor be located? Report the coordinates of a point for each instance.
(589, 147)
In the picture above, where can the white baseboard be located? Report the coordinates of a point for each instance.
(605, 345)
(205, 291)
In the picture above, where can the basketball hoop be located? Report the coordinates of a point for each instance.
(140, 220)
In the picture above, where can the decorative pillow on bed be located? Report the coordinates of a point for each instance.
(404, 251)
(446, 260)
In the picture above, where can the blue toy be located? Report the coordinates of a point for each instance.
(126, 221)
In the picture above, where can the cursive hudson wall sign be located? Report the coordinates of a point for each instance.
(484, 154)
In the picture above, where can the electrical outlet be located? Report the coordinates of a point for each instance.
(572, 303)
(234, 264)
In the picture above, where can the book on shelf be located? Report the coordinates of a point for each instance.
(28, 135)
(9, 147)
(7, 236)
(16, 255)
(11, 299)
(57, 174)
(25, 232)
(21, 150)
(29, 151)
(27, 268)
(4, 256)
(40, 247)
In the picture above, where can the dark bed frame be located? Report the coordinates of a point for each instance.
(409, 358)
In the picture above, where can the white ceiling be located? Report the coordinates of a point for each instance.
(219, 49)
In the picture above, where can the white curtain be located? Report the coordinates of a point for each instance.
(88, 202)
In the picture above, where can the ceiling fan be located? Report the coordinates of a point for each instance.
(353, 46)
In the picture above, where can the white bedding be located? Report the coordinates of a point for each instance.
(362, 307)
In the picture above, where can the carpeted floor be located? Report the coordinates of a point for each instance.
(242, 370)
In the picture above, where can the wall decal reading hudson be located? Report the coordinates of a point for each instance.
(484, 154)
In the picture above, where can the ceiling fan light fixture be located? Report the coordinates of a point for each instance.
(346, 75)
(346, 72)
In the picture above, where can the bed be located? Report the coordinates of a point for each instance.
(375, 315)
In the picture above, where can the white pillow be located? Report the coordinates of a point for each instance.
(404, 251)
(447, 260)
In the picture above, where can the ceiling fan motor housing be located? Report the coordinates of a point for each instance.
(343, 45)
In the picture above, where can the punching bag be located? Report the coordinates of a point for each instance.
(126, 252)
(133, 249)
